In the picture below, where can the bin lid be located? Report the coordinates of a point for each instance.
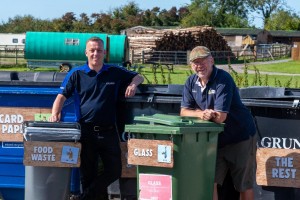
(172, 124)
(51, 131)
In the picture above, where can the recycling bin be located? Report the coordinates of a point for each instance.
(50, 151)
(175, 156)
(277, 115)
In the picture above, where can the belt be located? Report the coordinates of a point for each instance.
(102, 128)
(96, 128)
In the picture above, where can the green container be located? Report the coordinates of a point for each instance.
(194, 154)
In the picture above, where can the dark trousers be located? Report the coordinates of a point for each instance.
(104, 144)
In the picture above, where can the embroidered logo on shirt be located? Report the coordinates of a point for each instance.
(194, 91)
(211, 91)
(110, 83)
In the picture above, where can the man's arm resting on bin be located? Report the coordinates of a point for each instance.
(207, 114)
(131, 89)
(57, 107)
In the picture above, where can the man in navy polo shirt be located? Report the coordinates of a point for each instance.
(95, 87)
(211, 94)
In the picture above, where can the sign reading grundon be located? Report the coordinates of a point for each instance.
(280, 143)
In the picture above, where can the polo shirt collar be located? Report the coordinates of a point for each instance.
(87, 69)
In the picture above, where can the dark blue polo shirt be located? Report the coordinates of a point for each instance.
(96, 94)
(221, 94)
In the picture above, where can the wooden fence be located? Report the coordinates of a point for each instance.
(15, 55)
(11, 54)
(261, 52)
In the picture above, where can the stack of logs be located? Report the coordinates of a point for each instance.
(143, 39)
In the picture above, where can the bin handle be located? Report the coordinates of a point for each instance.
(188, 121)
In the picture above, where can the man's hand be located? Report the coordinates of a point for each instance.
(130, 90)
(54, 118)
(208, 114)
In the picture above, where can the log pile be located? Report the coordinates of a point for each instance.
(184, 41)
(181, 39)
(170, 41)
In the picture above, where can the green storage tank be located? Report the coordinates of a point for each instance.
(65, 50)
(118, 48)
(58, 46)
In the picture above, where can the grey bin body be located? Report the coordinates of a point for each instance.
(48, 183)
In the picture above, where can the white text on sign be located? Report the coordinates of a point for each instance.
(43, 153)
(11, 123)
(143, 152)
(284, 168)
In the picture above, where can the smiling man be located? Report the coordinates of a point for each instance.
(96, 87)
(211, 94)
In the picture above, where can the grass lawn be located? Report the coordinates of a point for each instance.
(290, 67)
(181, 72)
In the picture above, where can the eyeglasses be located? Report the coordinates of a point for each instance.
(199, 62)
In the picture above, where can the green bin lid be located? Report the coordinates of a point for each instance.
(173, 120)
(171, 124)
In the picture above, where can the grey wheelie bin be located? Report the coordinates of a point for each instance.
(50, 150)
(175, 156)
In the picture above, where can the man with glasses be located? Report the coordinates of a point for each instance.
(211, 94)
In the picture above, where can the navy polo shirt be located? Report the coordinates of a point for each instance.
(96, 94)
(221, 94)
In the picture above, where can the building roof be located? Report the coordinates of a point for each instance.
(254, 32)
(285, 33)
(238, 31)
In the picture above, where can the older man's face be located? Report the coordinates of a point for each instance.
(203, 67)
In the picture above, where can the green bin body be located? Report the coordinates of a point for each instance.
(194, 153)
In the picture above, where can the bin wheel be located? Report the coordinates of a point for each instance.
(65, 67)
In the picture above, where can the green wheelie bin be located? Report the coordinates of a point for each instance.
(175, 156)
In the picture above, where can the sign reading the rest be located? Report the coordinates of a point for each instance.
(158, 153)
(12, 118)
(52, 154)
(278, 167)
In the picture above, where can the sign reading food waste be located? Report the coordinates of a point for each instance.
(52, 154)
(12, 118)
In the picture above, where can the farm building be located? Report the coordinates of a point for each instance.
(235, 36)
(10, 41)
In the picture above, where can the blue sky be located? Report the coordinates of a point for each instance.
(49, 9)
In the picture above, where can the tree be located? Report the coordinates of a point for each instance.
(22, 24)
(65, 23)
(151, 17)
(170, 17)
(102, 22)
(83, 24)
(218, 13)
(266, 7)
(200, 13)
(283, 20)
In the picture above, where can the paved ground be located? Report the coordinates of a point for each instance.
(240, 67)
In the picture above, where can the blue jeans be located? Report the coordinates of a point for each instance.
(103, 144)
